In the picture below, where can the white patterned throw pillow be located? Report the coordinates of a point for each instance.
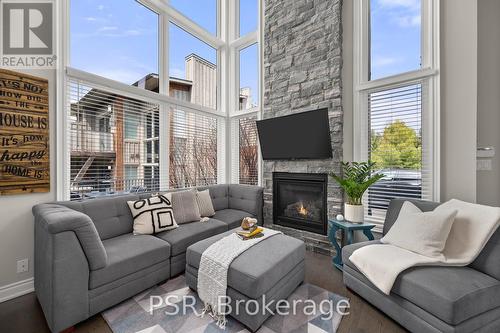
(153, 215)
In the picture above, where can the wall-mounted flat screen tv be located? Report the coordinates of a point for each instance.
(303, 135)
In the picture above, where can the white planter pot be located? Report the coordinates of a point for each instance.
(354, 213)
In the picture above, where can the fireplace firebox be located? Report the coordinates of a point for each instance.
(299, 201)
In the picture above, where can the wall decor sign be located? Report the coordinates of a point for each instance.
(24, 133)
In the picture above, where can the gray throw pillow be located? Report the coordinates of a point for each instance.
(205, 203)
(185, 207)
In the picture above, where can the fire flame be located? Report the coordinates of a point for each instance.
(302, 210)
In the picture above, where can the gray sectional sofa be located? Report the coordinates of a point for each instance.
(436, 299)
(87, 259)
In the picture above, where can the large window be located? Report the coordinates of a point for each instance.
(396, 89)
(193, 67)
(116, 39)
(395, 37)
(120, 137)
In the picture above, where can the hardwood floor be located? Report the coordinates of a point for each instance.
(363, 317)
(24, 315)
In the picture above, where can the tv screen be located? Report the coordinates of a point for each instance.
(303, 135)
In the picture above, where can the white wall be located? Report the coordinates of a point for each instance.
(488, 111)
(458, 99)
(16, 221)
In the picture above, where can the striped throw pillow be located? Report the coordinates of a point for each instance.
(205, 203)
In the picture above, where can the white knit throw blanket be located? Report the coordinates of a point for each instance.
(473, 227)
(214, 265)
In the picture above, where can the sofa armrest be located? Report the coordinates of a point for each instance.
(61, 278)
(247, 198)
(56, 219)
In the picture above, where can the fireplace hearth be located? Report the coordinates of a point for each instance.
(299, 201)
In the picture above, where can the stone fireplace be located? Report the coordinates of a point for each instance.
(303, 72)
(300, 201)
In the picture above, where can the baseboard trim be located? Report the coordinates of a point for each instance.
(16, 289)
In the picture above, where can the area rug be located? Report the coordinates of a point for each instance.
(134, 315)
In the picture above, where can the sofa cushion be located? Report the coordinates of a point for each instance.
(111, 215)
(453, 294)
(219, 195)
(128, 254)
(245, 197)
(190, 233)
(278, 256)
(232, 217)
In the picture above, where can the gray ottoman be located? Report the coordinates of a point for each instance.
(274, 268)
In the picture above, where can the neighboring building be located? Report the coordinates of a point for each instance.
(203, 75)
(246, 98)
(115, 140)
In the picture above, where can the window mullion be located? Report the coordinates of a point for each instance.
(164, 118)
(63, 145)
(192, 27)
(427, 35)
(245, 41)
(236, 20)
(186, 23)
(164, 142)
(135, 92)
(360, 75)
(400, 79)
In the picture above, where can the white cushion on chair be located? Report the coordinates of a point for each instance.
(424, 233)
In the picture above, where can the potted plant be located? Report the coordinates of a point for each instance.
(357, 178)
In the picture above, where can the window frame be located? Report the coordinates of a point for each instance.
(237, 16)
(428, 74)
(227, 45)
(234, 114)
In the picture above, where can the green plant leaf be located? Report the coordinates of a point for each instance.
(357, 178)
